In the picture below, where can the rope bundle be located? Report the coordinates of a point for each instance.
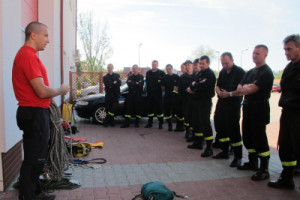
(58, 155)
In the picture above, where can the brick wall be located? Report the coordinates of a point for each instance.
(11, 161)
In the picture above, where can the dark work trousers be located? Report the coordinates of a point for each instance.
(289, 137)
(227, 123)
(187, 110)
(133, 105)
(255, 118)
(169, 105)
(201, 119)
(154, 104)
(35, 124)
(111, 105)
(180, 107)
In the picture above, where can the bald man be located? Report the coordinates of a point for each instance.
(32, 91)
(256, 86)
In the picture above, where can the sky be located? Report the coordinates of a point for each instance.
(170, 30)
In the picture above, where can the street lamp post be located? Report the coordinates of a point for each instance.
(140, 53)
(242, 56)
(218, 59)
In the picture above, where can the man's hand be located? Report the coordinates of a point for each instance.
(64, 89)
(224, 94)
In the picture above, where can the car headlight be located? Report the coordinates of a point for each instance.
(82, 103)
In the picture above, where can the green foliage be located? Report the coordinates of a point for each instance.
(96, 45)
(279, 75)
(201, 51)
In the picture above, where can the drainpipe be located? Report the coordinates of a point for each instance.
(62, 47)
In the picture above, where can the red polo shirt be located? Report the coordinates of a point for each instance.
(28, 66)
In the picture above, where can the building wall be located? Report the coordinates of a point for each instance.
(11, 41)
(12, 25)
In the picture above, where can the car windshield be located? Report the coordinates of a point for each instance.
(124, 88)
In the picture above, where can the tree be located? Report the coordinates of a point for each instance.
(201, 51)
(96, 45)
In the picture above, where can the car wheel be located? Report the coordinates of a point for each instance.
(99, 114)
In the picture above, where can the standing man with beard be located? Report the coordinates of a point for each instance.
(203, 88)
(169, 85)
(112, 85)
(154, 94)
(228, 110)
(135, 84)
(256, 86)
(289, 137)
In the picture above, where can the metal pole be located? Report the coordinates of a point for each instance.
(140, 54)
(242, 57)
(218, 59)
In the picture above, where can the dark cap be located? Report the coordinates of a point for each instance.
(196, 61)
(188, 62)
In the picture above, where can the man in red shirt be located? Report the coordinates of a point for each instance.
(33, 94)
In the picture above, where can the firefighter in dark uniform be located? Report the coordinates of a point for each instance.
(179, 105)
(135, 84)
(204, 90)
(112, 85)
(154, 94)
(256, 86)
(169, 85)
(184, 97)
(228, 109)
(197, 144)
(289, 136)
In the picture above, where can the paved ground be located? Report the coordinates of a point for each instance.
(138, 155)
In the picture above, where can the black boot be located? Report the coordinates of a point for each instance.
(252, 164)
(112, 122)
(187, 132)
(126, 124)
(179, 126)
(160, 122)
(191, 135)
(170, 128)
(285, 180)
(208, 149)
(106, 120)
(150, 121)
(263, 172)
(238, 154)
(224, 153)
(137, 122)
(197, 144)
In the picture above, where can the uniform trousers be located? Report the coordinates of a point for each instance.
(256, 116)
(289, 137)
(35, 124)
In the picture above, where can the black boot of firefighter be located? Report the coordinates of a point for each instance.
(252, 164)
(149, 124)
(197, 144)
(137, 122)
(208, 149)
(106, 120)
(263, 172)
(179, 126)
(169, 121)
(112, 121)
(285, 180)
(160, 122)
(238, 155)
(224, 154)
(126, 123)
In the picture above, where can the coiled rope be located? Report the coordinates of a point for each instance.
(58, 155)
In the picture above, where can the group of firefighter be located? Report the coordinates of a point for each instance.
(189, 98)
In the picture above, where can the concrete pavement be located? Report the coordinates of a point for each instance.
(138, 155)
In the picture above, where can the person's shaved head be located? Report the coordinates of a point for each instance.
(33, 27)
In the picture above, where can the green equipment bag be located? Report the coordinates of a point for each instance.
(157, 191)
